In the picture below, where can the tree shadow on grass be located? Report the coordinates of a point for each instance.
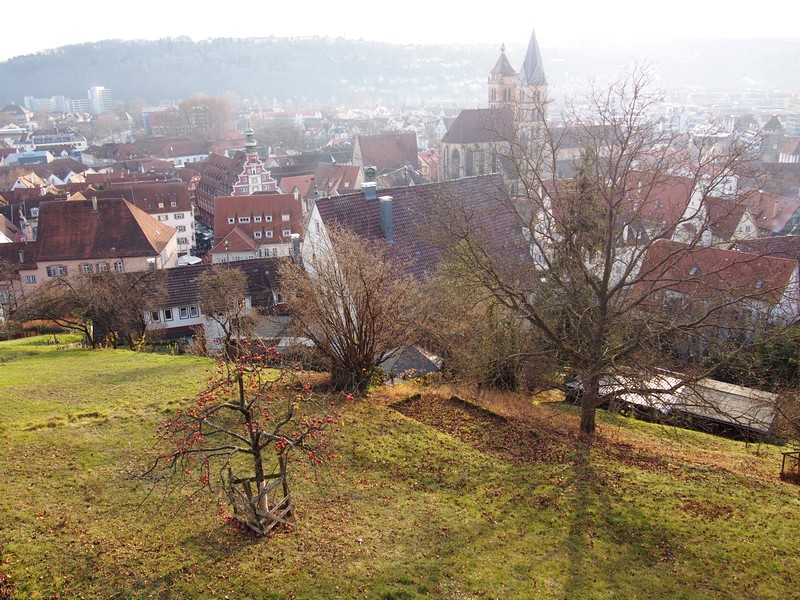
(611, 541)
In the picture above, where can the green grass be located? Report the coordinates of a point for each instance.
(408, 511)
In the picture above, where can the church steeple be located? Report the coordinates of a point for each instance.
(501, 82)
(532, 69)
(532, 88)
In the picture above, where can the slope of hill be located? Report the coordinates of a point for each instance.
(328, 72)
(430, 497)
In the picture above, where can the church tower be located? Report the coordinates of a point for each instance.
(502, 83)
(532, 87)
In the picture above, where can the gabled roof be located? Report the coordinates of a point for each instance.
(272, 205)
(152, 197)
(724, 216)
(709, 273)
(415, 211)
(237, 240)
(773, 124)
(336, 179)
(303, 183)
(262, 279)
(782, 246)
(773, 212)
(73, 230)
(481, 125)
(388, 150)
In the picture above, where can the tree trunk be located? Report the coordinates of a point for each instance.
(591, 391)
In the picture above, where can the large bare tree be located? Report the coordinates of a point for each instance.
(352, 299)
(621, 262)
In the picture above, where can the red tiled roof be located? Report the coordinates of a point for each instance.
(388, 150)
(709, 273)
(236, 241)
(153, 197)
(73, 230)
(270, 205)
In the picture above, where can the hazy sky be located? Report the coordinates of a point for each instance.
(54, 23)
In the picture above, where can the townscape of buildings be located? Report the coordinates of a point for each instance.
(142, 201)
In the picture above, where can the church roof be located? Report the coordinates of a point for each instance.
(503, 67)
(532, 69)
(478, 125)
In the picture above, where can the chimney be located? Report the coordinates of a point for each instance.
(370, 190)
(387, 226)
(94, 203)
(295, 245)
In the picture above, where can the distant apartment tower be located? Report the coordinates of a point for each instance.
(52, 104)
(100, 99)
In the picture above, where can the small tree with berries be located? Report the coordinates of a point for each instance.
(244, 425)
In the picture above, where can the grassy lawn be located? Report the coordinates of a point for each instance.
(430, 498)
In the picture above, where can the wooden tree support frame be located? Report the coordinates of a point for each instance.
(790, 468)
(265, 510)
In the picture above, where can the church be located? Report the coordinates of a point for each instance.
(479, 139)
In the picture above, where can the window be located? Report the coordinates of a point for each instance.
(173, 205)
(102, 267)
(160, 205)
(56, 270)
(231, 220)
(274, 252)
(168, 314)
(179, 216)
(30, 278)
(194, 312)
(119, 267)
(181, 228)
(154, 316)
(256, 219)
(183, 311)
(183, 241)
(257, 235)
(35, 212)
(244, 219)
(268, 234)
(162, 217)
(287, 232)
(268, 218)
(86, 267)
(285, 217)
(694, 271)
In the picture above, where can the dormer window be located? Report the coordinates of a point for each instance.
(257, 235)
(268, 218)
(759, 284)
(244, 219)
(231, 220)
(256, 219)
(285, 217)
(694, 271)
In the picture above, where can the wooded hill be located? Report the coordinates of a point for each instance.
(319, 71)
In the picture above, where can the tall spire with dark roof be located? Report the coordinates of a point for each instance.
(532, 70)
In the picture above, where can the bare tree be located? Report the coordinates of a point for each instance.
(602, 270)
(224, 300)
(245, 423)
(105, 306)
(352, 299)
